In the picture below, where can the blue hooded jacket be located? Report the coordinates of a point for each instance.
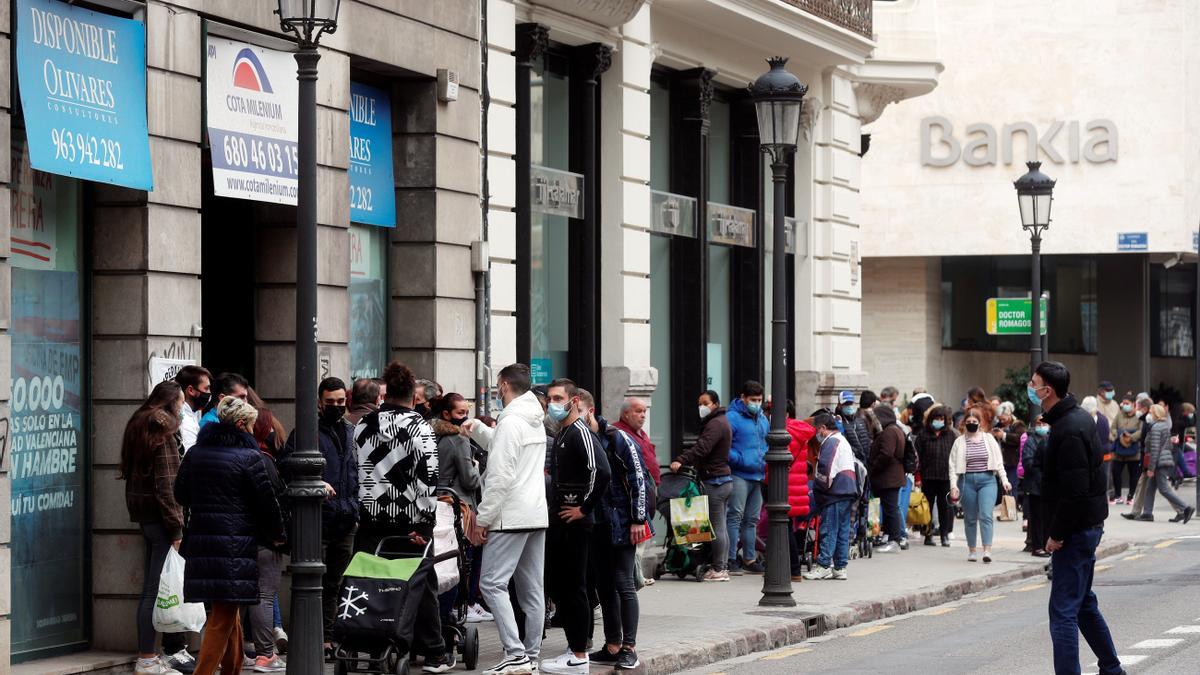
(748, 449)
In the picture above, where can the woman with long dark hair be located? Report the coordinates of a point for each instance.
(149, 464)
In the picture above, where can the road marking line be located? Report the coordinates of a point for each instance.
(871, 630)
(1101, 568)
(1135, 556)
(1164, 544)
(1030, 587)
(787, 653)
(991, 599)
(941, 610)
(1180, 630)
(1158, 643)
(1132, 659)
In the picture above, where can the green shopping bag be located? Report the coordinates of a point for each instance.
(689, 518)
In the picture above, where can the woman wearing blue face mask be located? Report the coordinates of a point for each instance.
(1032, 455)
(933, 440)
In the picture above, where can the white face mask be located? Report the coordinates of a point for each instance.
(705, 411)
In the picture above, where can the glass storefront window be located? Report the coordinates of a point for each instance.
(49, 460)
(660, 137)
(968, 282)
(549, 234)
(1172, 297)
(719, 257)
(368, 301)
(660, 419)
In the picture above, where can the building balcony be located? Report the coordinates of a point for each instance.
(853, 15)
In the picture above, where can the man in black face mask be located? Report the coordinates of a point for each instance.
(196, 383)
(339, 513)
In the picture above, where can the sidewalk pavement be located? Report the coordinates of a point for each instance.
(685, 624)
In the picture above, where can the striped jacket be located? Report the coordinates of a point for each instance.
(834, 479)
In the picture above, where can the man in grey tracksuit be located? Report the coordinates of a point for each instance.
(512, 519)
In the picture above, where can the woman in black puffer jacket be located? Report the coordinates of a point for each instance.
(225, 484)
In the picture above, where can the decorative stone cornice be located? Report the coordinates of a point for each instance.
(809, 115)
(533, 39)
(608, 13)
(592, 60)
(873, 98)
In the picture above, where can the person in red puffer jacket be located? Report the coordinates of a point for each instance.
(801, 432)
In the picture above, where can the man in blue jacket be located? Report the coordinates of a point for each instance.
(835, 487)
(747, 462)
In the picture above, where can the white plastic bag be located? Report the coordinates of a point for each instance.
(444, 541)
(171, 613)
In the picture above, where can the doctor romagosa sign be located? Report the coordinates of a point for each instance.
(1095, 142)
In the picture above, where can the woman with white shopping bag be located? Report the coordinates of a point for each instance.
(149, 463)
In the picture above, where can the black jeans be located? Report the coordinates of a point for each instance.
(1133, 468)
(1036, 515)
(938, 492)
(336, 551)
(566, 570)
(612, 567)
(893, 523)
(158, 542)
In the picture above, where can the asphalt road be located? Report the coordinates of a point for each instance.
(1149, 595)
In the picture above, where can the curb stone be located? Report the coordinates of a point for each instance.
(686, 656)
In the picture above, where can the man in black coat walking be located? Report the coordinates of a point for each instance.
(1074, 497)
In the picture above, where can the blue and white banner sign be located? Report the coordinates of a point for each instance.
(82, 78)
(372, 190)
(251, 100)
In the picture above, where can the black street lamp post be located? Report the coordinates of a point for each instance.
(778, 97)
(1035, 193)
(308, 20)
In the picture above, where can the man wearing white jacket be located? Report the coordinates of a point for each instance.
(512, 519)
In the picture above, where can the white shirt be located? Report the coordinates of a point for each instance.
(189, 427)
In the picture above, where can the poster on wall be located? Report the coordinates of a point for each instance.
(82, 78)
(251, 100)
(47, 469)
(368, 298)
(372, 189)
(33, 236)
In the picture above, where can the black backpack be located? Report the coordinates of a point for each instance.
(910, 454)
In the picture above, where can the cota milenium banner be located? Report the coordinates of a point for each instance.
(252, 99)
(82, 78)
(372, 189)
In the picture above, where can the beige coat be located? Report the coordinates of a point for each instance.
(958, 459)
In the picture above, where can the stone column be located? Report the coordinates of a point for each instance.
(145, 301)
(625, 220)
(831, 359)
(502, 168)
(437, 218)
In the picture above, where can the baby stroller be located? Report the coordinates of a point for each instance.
(456, 632)
(381, 598)
(862, 541)
(681, 558)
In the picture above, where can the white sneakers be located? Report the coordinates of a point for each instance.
(567, 664)
(818, 573)
(155, 666)
(715, 575)
(477, 614)
(513, 665)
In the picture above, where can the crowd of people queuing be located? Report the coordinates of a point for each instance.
(550, 479)
(206, 466)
